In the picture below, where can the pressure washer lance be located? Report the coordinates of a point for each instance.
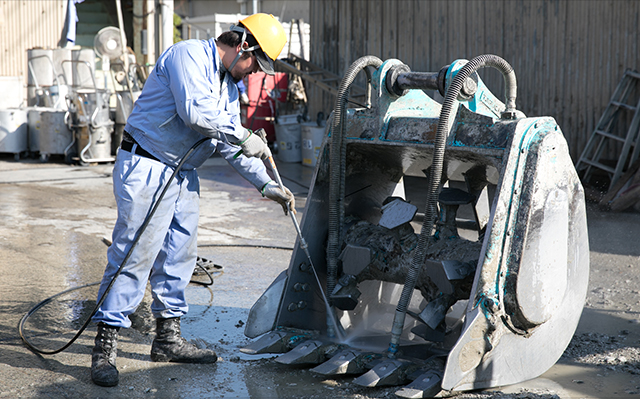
(303, 243)
(305, 247)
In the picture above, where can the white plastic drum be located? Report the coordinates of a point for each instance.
(40, 67)
(83, 69)
(13, 131)
(311, 138)
(63, 68)
(288, 140)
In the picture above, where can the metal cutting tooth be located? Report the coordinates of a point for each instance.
(426, 386)
(309, 352)
(348, 361)
(275, 342)
(387, 373)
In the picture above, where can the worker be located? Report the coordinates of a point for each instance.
(191, 94)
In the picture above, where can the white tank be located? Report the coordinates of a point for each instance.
(40, 67)
(94, 144)
(34, 125)
(54, 136)
(12, 85)
(311, 137)
(13, 131)
(288, 139)
(62, 68)
(83, 68)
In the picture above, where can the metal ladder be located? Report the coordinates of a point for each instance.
(603, 133)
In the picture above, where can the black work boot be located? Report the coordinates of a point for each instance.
(169, 345)
(103, 356)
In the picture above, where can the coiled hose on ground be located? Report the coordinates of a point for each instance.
(452, 93)
(337, 169)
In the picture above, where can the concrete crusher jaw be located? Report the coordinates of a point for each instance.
(497, 277)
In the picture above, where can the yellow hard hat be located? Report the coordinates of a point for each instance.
(268, 32)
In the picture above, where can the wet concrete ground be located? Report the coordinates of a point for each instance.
(55, 217)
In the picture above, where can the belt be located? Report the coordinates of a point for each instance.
(129, 146)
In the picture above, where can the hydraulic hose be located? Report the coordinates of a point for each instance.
(337, 169)
(417, 262)
(115, 276)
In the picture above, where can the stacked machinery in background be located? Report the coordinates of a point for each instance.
(73, 110)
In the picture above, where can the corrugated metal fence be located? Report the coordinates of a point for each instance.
(27, 24)
(569, 55)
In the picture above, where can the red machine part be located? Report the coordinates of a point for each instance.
(264, 92)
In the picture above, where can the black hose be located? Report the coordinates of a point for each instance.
(206, 272)
(261, 246)
(436, 172)
(113, 279)
(337, 167)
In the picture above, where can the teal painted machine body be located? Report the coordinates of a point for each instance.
(524, 234)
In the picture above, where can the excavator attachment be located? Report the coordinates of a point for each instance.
(446, 242)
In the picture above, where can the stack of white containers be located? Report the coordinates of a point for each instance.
(50, 80)
(298, 142)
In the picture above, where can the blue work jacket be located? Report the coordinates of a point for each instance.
(184, 100)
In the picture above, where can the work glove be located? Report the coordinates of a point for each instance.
(273, 191)
(255, 145)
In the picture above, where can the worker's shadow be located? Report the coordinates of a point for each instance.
(133, 361)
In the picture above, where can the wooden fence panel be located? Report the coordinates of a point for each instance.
(421, 36)
(569, 55)
(405, 31)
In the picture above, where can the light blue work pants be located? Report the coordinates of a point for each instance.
(166, 253)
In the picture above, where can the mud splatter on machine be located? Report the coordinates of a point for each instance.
(490, 291)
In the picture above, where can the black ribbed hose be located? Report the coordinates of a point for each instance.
(417, 262)
(337, 170)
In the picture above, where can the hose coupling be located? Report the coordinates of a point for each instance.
(392, 351)
(509, 114)
(391, 80)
